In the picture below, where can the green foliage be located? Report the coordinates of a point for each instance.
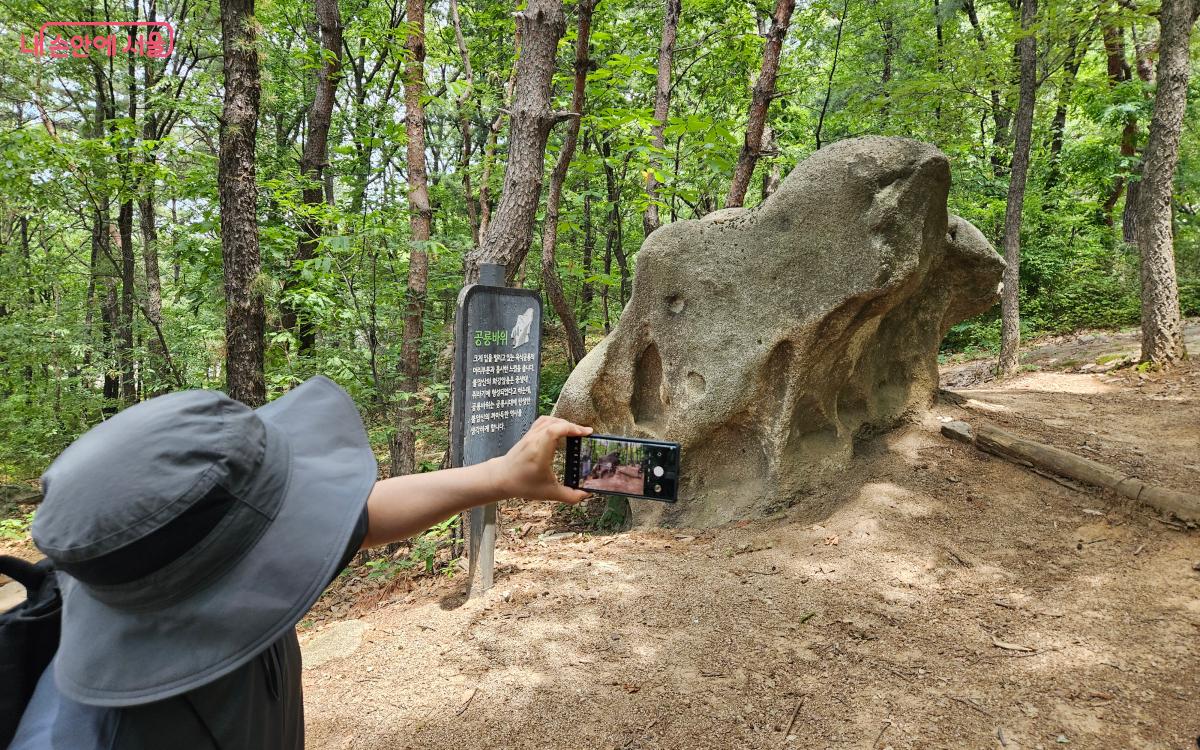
(975, 336)
(903, 68)
(1189, 297)
(16, 528)
(421, 556)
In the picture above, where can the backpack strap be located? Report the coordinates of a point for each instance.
(28, 574)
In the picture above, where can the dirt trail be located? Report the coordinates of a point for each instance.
(952, 600)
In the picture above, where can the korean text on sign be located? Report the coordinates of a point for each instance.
(501, 388)
(490, 338)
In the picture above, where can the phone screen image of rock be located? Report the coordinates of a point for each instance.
(612, 466)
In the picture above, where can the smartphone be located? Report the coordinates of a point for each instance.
(614, 465)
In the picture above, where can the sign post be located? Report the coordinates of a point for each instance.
(497, 361)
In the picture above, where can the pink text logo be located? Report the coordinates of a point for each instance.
(144, 39)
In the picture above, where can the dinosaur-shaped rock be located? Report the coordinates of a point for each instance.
(767, 340)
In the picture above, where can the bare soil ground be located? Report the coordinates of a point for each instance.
(952, 600)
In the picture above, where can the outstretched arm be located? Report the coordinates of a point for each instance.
(401, 507)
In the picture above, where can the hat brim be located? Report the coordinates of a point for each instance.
(109, 657)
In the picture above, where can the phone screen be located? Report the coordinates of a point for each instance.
(609, 464)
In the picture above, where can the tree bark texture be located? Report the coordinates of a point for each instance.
(420, 213)
(1058, 125)
(104, 275)
(1129, 225)
(124, 240)
(464, 123)
(940, 62)
(1010, 316)
(587, 291)
(837, 46)
(103, 272)
(125, 354)
(1118, 72)
(244, 314)
(891, 45)
(314, 158)
(146, 220)
(509, 232)
(550, 281)
(1162, 326)
(1000, 116)
(771, 177)
(614, 243)
(764, 92)
(662, 106)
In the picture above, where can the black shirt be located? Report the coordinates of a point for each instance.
(258, 706)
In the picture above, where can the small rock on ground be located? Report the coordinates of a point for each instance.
(337, 641)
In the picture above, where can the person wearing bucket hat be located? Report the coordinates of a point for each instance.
(191, 533)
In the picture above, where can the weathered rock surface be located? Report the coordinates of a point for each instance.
(766, 340)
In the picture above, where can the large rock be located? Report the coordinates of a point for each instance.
(766, 340)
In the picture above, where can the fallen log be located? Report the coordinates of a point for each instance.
(1184, 506)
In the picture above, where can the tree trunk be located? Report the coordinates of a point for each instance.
(771, 177)
(1162, 326)
(420, 219)
(1058, 126)
(1118, 73)
(764, 92)
(837, 46)
(103, 271)
(550, 281)
(489, 147)
(539, 26)
(244, 314)
(940, 52)
(1129, 225)
(1000, 117)
(615, 240)
(1010, 332)
(314, 159)
(662, 105)
(124, 238)
(890, 44)
(464, 124)
(104, 277)
(589, 245)
(608, 246)
(157, 349)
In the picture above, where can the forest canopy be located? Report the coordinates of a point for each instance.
(113, 279)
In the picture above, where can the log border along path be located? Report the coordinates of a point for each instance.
(1047, 458)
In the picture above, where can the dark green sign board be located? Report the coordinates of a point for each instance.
(498, 346)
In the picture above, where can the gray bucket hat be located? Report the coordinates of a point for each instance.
(191, 532)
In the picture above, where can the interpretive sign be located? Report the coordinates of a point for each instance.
(498, 346)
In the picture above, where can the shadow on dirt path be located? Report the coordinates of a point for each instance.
(949, 600)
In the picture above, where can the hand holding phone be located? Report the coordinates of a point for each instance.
(527, 469)
(614, 465)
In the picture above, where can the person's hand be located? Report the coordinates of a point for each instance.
(527, 469)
